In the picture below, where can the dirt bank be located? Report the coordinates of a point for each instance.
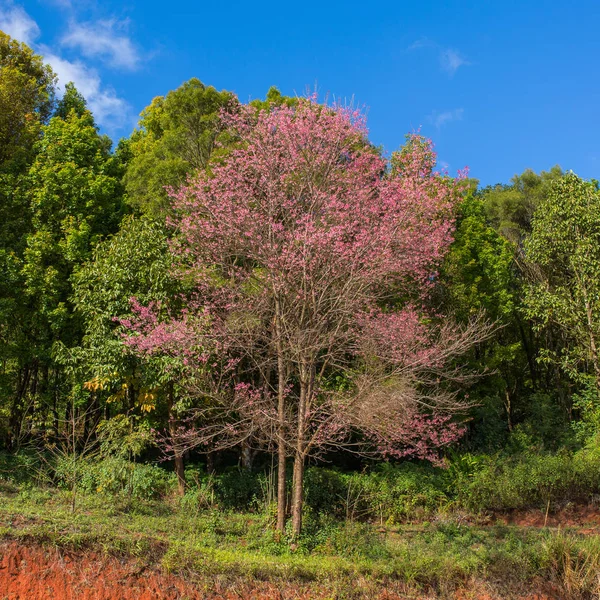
(31, 572)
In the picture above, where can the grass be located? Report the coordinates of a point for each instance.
(432, 556)
(406, 527)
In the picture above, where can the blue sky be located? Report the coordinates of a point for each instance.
(498, 86)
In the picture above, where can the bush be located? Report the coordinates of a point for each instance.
(24, 467)
(531, 481)
(326, 490)
(117, 476)
(390, 493)
(237, 489)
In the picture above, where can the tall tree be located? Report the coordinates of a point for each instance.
(300, 249)
(75, 201)
(27, 88)
(26, 101)
(510, 208)
(72, 100)
(133, 262)
(175, 137)
(479, 274)
(564, 256)
(75, 196)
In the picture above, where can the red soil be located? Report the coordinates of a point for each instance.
(30, 572)
(585, 518)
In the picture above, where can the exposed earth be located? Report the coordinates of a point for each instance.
(32, 572)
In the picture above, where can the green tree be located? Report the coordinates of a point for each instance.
(135, 262)
(72, 100)
(510, 208)
(479, 274)
(27, 88)
(176, 135)
(75, 201)
(74, 193)
(274, 98)
(26, 101)
(479, 265)
(563, 296)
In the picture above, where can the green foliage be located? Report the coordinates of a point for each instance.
(236, 489)
(72, 100)
(387, 494)
(20, 468)
(478, 268)
(124, 437)
(587, 403)
(479, 274)
(532, 481)
(544, 427)
(564, 295)
(510, 208)
(117, 477)
(75, 191)
(176, 136)
(132, 263)
(27, 89)
(273, 99)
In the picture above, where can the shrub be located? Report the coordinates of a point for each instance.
(23, 467)
(531, 481)
(326, 490)
(237, 489)
(117, 476)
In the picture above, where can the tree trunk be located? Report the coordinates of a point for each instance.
(16, 411)
(589, 315)
(508, 407)
(529, 353)
(247, 456)
(281, 450)
(90, 417)
(592, 338)
(180, 472)
(55, 417)
(173, 425)
(29, 415)
(298, 491)
(210, 462)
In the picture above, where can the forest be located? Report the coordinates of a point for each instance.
(247, 347)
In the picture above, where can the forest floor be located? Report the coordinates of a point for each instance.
(114, 549)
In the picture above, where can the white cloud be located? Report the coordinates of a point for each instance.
(439, 119)
(18, 24)
(451, 60)
(105, 40)
(109, 110)
(422, 43)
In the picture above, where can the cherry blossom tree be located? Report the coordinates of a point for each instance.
(313, 259)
